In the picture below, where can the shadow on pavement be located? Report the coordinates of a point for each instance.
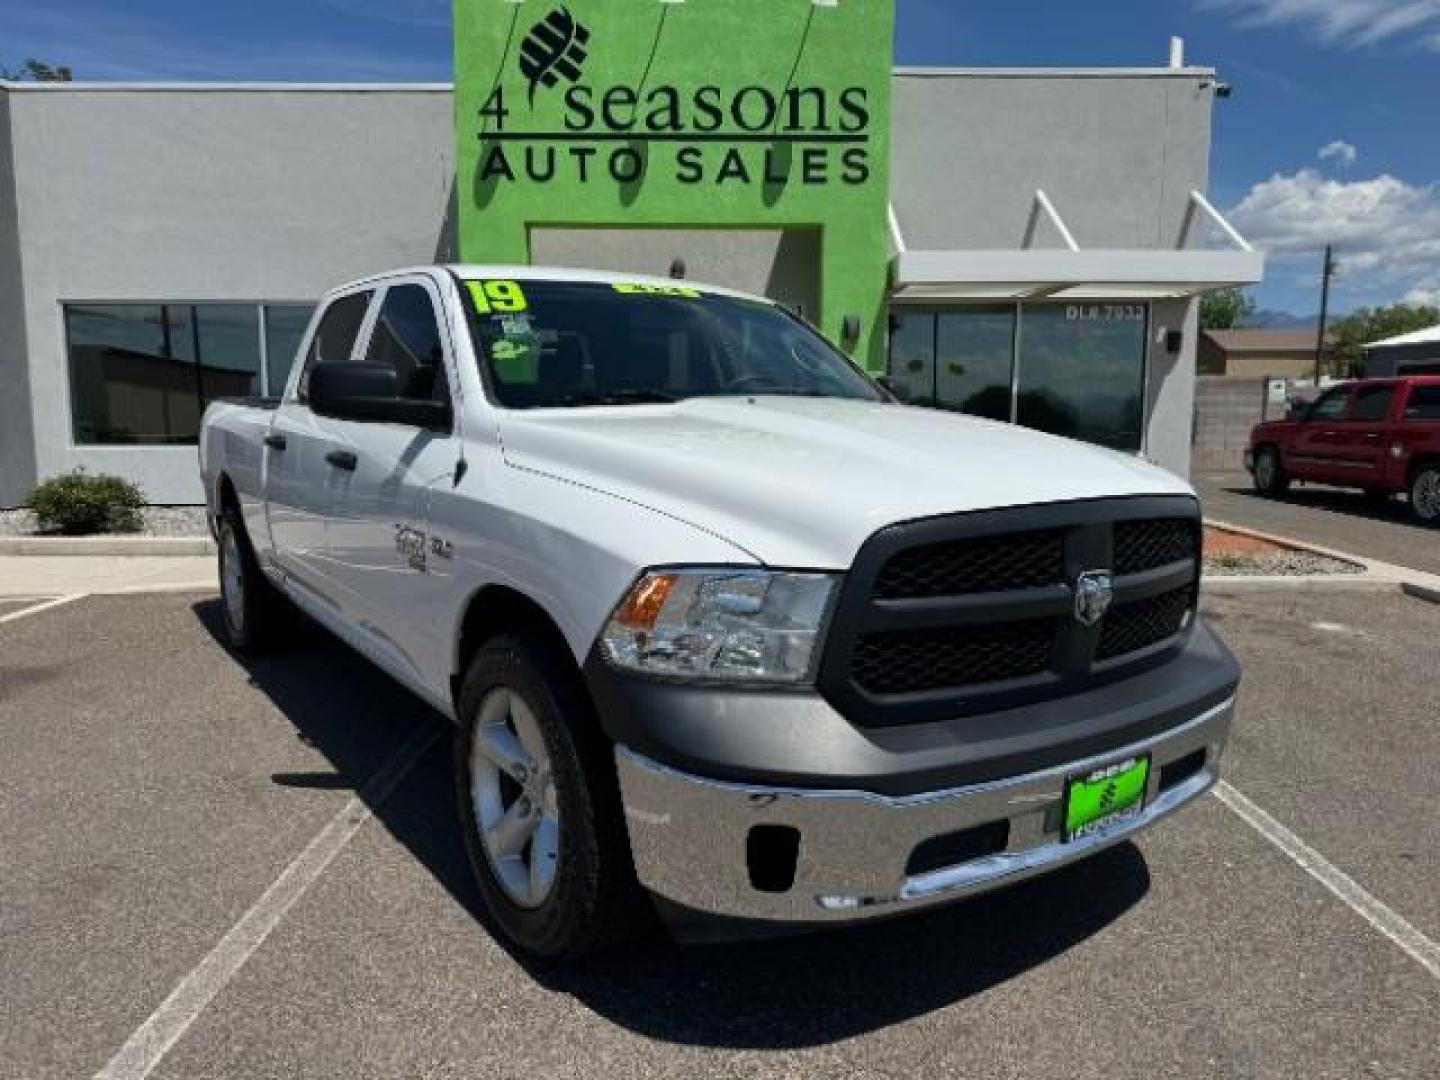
(778, 994)
(1338, 501)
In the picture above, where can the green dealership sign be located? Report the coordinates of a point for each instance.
(705, 114)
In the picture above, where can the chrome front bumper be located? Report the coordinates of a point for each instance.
(690, 836)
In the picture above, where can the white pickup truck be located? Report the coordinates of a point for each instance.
(725, 631)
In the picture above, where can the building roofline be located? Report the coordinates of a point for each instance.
(910, 71)
(279, 86)
(271, 87)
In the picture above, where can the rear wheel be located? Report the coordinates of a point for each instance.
(1425, 494)
(1270, 478)
(255, 613)
(539, 802)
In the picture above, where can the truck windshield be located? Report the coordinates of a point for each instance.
(554, 344)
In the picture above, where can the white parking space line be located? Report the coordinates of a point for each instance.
(46, 606)
(1379, 915)
(154, 1038)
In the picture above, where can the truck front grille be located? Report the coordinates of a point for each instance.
(962, 567)
(1133, 627)
(959, 615)
(912, 660)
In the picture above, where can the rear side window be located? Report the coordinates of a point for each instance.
(407, 338)
(1372, 403)
(334, 339)
(1424, 403)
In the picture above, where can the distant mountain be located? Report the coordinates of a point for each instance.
(1279, 320)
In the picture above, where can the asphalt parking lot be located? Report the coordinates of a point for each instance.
(155, 790)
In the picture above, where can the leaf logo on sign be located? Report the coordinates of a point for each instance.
(553, 50)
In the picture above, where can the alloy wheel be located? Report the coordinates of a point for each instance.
(1426, 495)
(232, 580)
(512, 791)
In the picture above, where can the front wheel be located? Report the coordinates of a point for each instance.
(539, 802)
(1270, 478)
(1425, 494)
(255, 613)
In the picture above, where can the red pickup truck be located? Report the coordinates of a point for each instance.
(1379, 435)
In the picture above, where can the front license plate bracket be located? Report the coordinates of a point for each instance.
(1103, 798)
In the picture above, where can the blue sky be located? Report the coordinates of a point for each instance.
(1359, 77)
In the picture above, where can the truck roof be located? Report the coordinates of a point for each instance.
(479, 271)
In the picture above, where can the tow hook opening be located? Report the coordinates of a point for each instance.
(771, 855)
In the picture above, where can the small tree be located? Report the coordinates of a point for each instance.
(1367, 325)
(1225, 309)
(33, 70)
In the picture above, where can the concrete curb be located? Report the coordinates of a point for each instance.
(109, 546)
(1376, 574)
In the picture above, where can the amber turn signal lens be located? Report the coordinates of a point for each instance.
(641, 609)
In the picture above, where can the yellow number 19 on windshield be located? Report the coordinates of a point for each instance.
(497, 297)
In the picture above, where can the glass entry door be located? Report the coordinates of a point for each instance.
(1082, 372)
(1072, 369)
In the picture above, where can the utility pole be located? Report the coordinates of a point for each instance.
(1326, 275)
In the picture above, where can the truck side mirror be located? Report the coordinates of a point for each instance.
(371, 392)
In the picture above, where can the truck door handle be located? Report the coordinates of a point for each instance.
(275, 442)
(342, 459)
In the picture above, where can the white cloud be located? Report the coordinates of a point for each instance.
(1386, 232)
(1346, 23)
(1424, 296)
(1339, 151)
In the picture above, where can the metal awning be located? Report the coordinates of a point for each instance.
(1070, 273)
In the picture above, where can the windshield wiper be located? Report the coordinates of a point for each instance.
(619, 397)
(781, 391)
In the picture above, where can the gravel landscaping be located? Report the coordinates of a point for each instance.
(1280, 563)
(159, 521)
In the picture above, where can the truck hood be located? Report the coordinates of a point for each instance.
(804, 482)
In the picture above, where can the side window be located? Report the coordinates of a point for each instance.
(407, 338)
(1331, 406)
(1424, 403)
(335, 337)
(1372, 403)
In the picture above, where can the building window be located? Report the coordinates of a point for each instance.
(144, 373)
(285, 326)
(1079, 367)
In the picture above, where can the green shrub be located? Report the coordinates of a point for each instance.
(77, 503)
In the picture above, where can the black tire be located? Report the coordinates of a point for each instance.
(1269, 474)
(594, 900)
(257, 618)
(1425, 494)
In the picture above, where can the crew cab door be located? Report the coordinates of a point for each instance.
(390, 570)
(1313, 452)
(1360, 455)
(299, 481)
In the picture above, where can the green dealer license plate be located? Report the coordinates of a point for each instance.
(1106, 797)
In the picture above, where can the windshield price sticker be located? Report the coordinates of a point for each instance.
(659, 290)
(497, 297)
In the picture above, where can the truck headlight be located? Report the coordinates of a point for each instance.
(721, 625)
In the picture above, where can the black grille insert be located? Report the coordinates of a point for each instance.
(1150, 544)
(914, 661)
(1137, 626)
(986, 564)
(975, 613)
